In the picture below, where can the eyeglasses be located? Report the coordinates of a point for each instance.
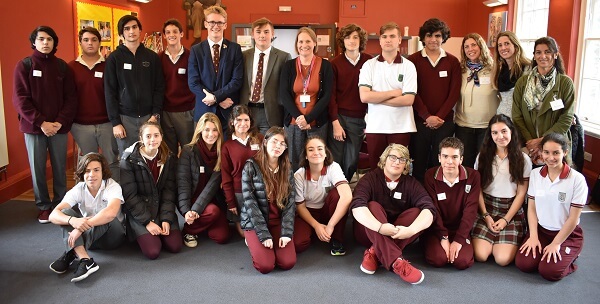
(215, 23)
(275, 142)
(394, 158)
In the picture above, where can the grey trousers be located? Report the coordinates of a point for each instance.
(132, 129)
(345, 153)
(104, 237)
(260, 119)
(296, 140)
(38, 145)
(91, 137)
(178, 128)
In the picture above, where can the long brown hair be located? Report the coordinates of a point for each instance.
(86, 160)
(200, 126)
(276, 184)
(520, 62)
(485, 57)
(163, 149)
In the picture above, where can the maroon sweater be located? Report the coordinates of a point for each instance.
(345, 98)
(436, 95)
(456, 213)
(178, 97)
(372, 187)
(90, 93)
(51, 97)
(233, 158)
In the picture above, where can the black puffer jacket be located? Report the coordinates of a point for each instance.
(255, 212)
(188, 175)
(145, 200)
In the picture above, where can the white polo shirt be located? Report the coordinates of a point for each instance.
(89, 205)
(553, 200)
(382, 76)
(501, 185)
(313, 192)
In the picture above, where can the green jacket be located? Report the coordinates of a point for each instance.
(535, 124)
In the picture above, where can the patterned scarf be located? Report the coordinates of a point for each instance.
(537, 87)
(474, 67)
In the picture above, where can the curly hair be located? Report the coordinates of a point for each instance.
(346, 31)
(235, 113)
(485, 57)
(433, 25)
(402, 150)
(85, 161)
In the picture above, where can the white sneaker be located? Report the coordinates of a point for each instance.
(190, 240)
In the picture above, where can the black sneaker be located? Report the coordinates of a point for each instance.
(62, 264)
(84, 269)
(337, 248)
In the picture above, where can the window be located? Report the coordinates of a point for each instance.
(532, 22)
(587, 76)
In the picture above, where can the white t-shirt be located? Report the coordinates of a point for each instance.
(501, 185)
(381, 76)
(89, 205)
(553, 200)
(313, 192)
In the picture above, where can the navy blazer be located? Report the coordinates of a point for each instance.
(225, 84)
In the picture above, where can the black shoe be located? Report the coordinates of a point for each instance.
(84, 269)
(337, 248)
(62, 264)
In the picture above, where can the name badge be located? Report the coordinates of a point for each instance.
(254, 147)
(555, 104)
(127, 66)
(485, 80)
(37, 73)
(98, 74)
(441, 196)
(398, 195)
(181, 71)
(443, 73)
(201, 169)
(304, 98)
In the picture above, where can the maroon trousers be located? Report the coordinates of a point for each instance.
(265, 259)
(376, 144)
(303, 232)
(152, 244)
(436, 256)
(387, 250)
(569, 251)
(213, 221)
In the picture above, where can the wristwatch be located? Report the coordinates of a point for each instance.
(444, 237)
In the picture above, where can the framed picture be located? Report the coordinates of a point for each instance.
(497, 24)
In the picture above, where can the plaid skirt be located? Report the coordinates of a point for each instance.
(498, 207)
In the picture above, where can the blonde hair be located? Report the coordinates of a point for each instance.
(402, 150)
(310, 33)
(200, 126)
(215, 9)
(485, 57)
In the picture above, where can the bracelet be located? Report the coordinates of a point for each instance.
(379, 228)
(505, 220)
(485, 215)
(69, 220)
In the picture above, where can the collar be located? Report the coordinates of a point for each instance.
(241, 140)
(211, 43)
(307, 172)
(566, 170)
(388, 180)
(398, 58)
(178, 53)
(442, 53)
(462, 173)
(80, 60)
(102, 187)
(354, 62)
(267, 51)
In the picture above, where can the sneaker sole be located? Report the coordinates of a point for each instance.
(59, 272)
(366, 270)
(85, 275)
(335, 253)
(190, 245)
(421, 280)
(43, 221)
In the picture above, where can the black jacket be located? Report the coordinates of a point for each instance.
(188, 174)
(255, 211)
(287, 97)
(134, 85)
(145, 200)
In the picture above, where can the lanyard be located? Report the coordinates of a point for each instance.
(306, 80)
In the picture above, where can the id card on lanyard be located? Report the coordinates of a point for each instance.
(305, 98)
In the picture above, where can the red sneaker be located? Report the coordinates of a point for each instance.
(43, 216)
(369, 262)
(408, 272)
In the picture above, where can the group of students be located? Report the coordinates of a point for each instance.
(282, 186)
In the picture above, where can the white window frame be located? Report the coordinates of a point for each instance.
(524, 20)
(591, 127)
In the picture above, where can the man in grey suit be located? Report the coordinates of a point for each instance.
(262, 66)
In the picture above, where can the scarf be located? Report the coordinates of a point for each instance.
(537, 87)
(505, 82)
(474, 68)
(208, 156)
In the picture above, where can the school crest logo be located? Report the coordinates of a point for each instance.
(468, 188)
(146, 64)
(562, 196)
